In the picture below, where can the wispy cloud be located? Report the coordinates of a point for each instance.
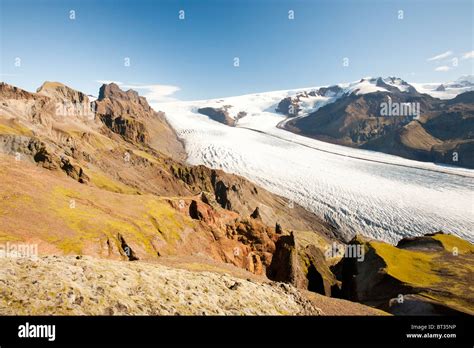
(440, 56)
(468, 55)
(443, 68)
(154, 93)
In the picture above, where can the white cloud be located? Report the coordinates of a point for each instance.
(443, 68)
(441, 56)
(155, 93)
(468, 55)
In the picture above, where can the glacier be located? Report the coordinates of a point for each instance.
(381, 196)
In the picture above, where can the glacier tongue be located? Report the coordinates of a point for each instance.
(359, 191)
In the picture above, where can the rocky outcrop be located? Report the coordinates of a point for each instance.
(129, 115)
(74, 171)
(124, 113)
(113, 92)
(234, 193)
(356, 119)
(260, 240)
(256, 214)
(289, 106)
(218, 114)
(29, 111)
(284, 266)
(129, 128)
(424, 275)
(45, 155)
(28, 147)
(302, 266)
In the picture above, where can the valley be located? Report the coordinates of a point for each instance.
(385, 196)
(140, 209)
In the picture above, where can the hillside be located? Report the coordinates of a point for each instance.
(432, 274)
(116, 214)
(87, 286)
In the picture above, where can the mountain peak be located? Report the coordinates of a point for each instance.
(59, 91)
(51, 85)
(112, 90)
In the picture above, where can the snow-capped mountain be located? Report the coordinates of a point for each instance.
(310, 98)
(447, 90)
(372, 193)
(393, 118)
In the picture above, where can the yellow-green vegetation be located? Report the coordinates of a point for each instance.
(461, 302)
(66, 204)
(454, 244)
(97, 140)
(413, 267)
(140, 219)
(15, 128)
(444, 276)
(74, 218)
(14, 200)
(166, 221)
(305, 262)
(305, 238)
(145, 155)
(104, 182)
(5, 237)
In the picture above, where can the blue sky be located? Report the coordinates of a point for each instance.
(194, 58)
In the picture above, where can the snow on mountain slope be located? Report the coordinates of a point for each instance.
(310, 98)
(397, 82)
(447, 90)
(364, 86)
(379, 195)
